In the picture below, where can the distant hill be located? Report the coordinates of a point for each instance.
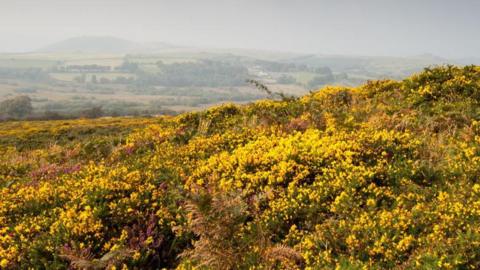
(102, 44)
(469, 61)
(378, 66)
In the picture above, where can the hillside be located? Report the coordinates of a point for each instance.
(100, 44)
(391, 67)
(381, 176)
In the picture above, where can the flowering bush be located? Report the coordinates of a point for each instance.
(380, 176)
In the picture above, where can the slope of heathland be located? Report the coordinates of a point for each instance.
(382, 176)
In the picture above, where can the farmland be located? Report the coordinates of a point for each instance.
(176, 79)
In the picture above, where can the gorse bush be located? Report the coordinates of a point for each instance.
(448, 83)
(382, 176)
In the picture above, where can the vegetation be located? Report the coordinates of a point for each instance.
(380, 176)
(202, 73)
(18, 107)
(55, 78)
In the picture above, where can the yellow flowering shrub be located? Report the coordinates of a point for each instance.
(381, 176)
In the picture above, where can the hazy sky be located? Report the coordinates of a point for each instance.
(449, 28)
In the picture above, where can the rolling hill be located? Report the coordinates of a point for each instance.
(380, 176)
(102, 44)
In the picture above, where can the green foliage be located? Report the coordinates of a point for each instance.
(201, 73)
(382, 176)
(17, 107)
(286, 79)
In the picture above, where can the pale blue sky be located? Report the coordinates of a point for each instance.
(361, 27)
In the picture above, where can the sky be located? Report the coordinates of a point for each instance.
(348, 27)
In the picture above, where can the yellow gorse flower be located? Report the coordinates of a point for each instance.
(379, 176)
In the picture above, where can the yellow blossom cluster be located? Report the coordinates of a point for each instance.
(381, 176)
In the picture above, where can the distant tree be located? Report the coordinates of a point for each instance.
(341, 76)
(50, 115)
(104, 80)
(16, 107)
(123, 80)
(160, 64)
(321, 80)
(127, 66)
(25, 90)
(204, 73)
(80, 79)
(94, 112)
(286, 79)
(324, 70)
(262, 87)
(28, 74)
(276, 66)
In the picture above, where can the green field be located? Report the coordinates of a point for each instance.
(15, 62)
(45, 77)
(71, 75)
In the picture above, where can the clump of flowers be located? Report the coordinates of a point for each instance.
(381, 176)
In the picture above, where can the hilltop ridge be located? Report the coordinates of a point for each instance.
(101, 44)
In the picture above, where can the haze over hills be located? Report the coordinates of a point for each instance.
(111, 44)
(125, 77)
(102, 44)
(370, 27)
